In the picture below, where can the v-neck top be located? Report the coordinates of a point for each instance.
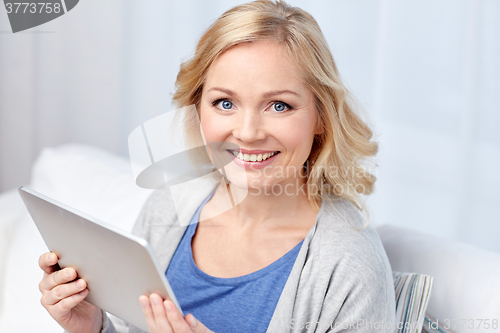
(240, 304)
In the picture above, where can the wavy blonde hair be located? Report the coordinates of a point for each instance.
(337, 154)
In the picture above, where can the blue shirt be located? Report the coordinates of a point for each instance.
(240, 304)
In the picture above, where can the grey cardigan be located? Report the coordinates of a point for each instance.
(341, 280)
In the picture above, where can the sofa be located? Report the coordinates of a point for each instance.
(466, 280)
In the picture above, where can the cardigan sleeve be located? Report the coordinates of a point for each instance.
(112, 325)
(367, 307)
(361, 292)
(343, 283)
(359, 298)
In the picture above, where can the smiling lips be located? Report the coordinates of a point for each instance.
(257, 157)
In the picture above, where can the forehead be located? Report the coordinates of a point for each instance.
(264, 62)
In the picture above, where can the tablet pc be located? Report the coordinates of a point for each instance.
(117, 266)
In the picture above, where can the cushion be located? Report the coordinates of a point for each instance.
(412, 293)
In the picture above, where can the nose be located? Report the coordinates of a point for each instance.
(249, 126)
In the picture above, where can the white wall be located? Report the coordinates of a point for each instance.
(427, 73)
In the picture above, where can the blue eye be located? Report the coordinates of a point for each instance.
(227, 105)
(280, 106)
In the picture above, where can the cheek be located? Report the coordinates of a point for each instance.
(298, 136)
(211, 128)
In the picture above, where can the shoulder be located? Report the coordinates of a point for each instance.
(351, 252)
(348, 270)
(343, 275)
(156, 211)
(173, 207)
(341, 232)
(158, 203)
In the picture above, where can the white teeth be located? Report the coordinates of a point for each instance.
(253, 157)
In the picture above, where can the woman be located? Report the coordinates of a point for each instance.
(294, 254)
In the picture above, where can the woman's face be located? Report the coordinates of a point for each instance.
(253, 97)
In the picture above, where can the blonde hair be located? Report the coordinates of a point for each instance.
(337, 154)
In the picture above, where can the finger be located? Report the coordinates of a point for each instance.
(60, 277)
(175, 318)
(196, 325)
(63, 291)
(148, 312)
(162, 324)
(63, 307)
(48, 262)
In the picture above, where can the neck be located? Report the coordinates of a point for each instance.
(280, 205)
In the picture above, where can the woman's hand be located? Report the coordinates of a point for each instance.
(62, 297)
(164, 317)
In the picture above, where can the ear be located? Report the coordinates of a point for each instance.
(319, 128)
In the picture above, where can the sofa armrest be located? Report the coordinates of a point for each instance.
(11, 207)
(11, 212)
(466, 278)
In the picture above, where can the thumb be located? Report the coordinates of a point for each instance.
(196, 325)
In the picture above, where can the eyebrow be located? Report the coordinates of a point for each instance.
(266, 95)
